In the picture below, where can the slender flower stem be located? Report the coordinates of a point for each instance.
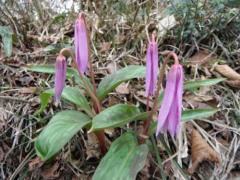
(90, 60)
(159, 85)
(100, 135)
(147, 108)
(98, 108)
(67, 53)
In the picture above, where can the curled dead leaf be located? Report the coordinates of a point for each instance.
(122, 88)
(28, 90)
(35, 163)
(201, 151)
(227, 71)
(201, 57)
(234, 83)
(51, 172)
(92, 147)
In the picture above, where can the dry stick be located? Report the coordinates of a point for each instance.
(100, 135)
(160, 80)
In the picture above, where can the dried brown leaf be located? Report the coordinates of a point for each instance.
(28, 90)
(112, 67)
(105, 46)
(234, 83)
(201, 151)
(35, 163)
(92, 147)
(122, 89)
(201, 57)
(227, 71)
(51, 172)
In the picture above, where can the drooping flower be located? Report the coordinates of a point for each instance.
(171, 108)
(152, 67)
(81, 44)
(60, 76)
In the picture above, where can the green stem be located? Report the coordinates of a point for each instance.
(158, 157)
(100, 135)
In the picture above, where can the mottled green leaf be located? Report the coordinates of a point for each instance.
(110, 82)
(61, 128)
(124, 159)
(71, 94)
(116, 116)
(192, 85)
(197, 113)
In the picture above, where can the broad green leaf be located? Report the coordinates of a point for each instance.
(6, 34)
(197, 113)
(192, 85)
(116, 116)
(110, 82)
(71, 94)
(50, 69)
(124, 159)
(61, 128)
(186, 116)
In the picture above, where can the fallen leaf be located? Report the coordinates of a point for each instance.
(227, 71)
(141, 97)
(112, 100)
(35, 163)
(234, 83)
(201, 151)
(28, 90)
(92, 147)
(105, 46)
(122, 88)
(165, 24)
(51, 172)
(112, 67)
(201, 57)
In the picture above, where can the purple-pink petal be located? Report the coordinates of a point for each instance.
(151, 68)
(60, 77)
(81, 44)
(170, 111)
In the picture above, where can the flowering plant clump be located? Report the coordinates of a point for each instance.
(90, 114)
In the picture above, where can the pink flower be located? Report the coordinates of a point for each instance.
(171, 108)
(152, 67)
(81, 44)
(60, 76)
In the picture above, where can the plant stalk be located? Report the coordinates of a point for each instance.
(100, 135)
